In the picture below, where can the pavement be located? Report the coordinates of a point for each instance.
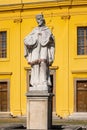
(58, 124)
(12, 123)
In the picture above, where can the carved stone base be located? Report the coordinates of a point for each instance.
(39, 110)
(38, 88)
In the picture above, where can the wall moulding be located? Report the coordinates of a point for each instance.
(6, 73)
(11, 7)
(52, 68)
(78, 71)
(40, 4)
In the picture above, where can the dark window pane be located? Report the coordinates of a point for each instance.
(82, 40)
(3, 44)
(3, 96)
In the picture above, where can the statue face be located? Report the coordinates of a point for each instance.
(40, 20)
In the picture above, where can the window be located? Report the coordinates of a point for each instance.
(82, 41)
(3, 44)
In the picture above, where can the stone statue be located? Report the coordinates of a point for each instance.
(39, 52)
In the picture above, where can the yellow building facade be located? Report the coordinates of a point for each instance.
(67, 19)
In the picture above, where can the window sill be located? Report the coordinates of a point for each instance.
(4, 59)
(81, 57)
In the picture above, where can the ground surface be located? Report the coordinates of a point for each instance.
(6, 122)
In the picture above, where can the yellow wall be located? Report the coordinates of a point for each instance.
(6, 2)
(19, 20)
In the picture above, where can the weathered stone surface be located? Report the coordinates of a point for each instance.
(39, 113)
(39, 46)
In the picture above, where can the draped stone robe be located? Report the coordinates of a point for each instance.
(39, 52)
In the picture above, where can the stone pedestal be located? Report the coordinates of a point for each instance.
(39, 110)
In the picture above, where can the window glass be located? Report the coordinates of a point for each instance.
(82, 41)
(3, 44)
(3, 97)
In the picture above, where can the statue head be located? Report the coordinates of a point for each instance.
(40, 20)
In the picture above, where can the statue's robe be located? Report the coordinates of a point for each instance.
(39, 52)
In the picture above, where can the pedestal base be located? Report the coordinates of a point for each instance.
(39, 110)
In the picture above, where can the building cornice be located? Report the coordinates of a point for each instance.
(10, 7)
(41, 4)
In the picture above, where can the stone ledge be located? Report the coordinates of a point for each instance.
(39, 94)
(5, 114)
(78, 116)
